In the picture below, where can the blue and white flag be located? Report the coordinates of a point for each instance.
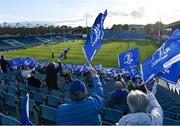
(166, 55)
(171, 74)
(42, 64)
(60, 56)
(133, 72)
(25, 111)
(14, 63)
(129, 59)
(84, 68)
(30, 62)
(94, 40)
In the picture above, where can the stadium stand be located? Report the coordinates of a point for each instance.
(125, 35)
(44, 103)
(10, 43)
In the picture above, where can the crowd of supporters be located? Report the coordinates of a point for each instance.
(84, 108)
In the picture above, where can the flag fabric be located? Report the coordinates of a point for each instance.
(74, 67)
(166, 55)
(133, 72)
(25, 111)
(14, 63)
(171, 74)
(42, 64)
(60, 56)
(84, 68)
(30, 62)
(94, 40)
(129, 59)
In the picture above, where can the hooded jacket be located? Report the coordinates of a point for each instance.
(154, 117)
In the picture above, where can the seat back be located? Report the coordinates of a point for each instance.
(48, 113)
(10, 100)
(52, 101)
(111, 115)
(168, 114)
(37, 97)
(167, 121)
(6, 120)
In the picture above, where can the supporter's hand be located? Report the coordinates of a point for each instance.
(93, 71)
(157, 79)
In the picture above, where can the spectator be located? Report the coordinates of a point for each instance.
(119, 95)
(67, 77)
(130, 85)
(4, 64)
(82, 110)
(144, 108)
(65, 52)
(33, 81)
(52, 75)
(26, 72)
(18, 75)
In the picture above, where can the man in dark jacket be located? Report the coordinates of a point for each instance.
(33, 81)
(52, 75)
(4, 64)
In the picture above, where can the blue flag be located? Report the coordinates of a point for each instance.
(25, 111)
(165, 56)
(171, 74)
(133, 72)
(94, 40)
(30, 62)
(60, 56)
(129, 59)
(14, 63)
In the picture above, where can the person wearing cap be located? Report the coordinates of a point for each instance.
(82, 110)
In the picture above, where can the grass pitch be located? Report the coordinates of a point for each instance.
(107, 56)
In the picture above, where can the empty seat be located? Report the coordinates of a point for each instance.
(121, 107)
(12, 90)
(6, 120)
(168, 114)
(167, 121)
(10, 104)
(52, 101)
(55, 93)
(175, 109)
(178, 116)
(111, 116)
(37, 97)
(47, 115)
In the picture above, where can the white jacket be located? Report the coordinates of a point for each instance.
(154, 117)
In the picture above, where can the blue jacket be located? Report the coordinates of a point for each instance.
(119, 94)
(84, 112)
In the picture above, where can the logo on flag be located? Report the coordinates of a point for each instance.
(129, 59)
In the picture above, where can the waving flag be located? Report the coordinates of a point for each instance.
(60, 56)
(129, 59)
(171, 74)
(14, 63)
(133, 72)
(30, 62)
(166, 55)
(25, 111)
(94, 40)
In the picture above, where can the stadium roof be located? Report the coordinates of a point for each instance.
(173, 25)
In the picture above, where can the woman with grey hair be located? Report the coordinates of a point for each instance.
(144, 108)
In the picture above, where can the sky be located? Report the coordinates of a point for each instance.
(75, 12)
